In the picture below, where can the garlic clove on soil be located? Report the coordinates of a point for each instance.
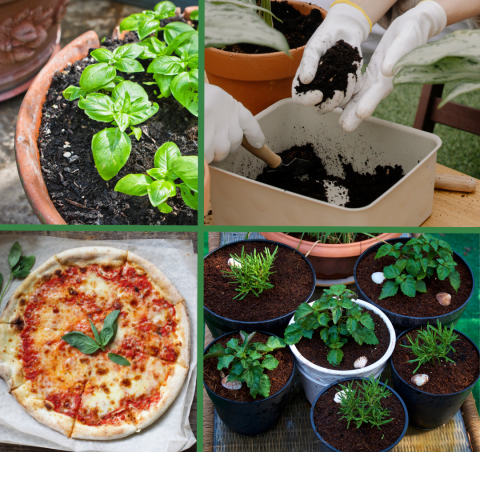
(360, 362)
(235, 385)
(378, 277)
(420, 379)
(233, 262)
(444, 299)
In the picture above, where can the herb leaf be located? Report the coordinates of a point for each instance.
(110, 327)
(14, 255)
(118, 359)
(81, 342)
(96, 335)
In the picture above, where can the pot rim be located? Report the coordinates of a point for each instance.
(428, 393)
(364, 254)
(271, 242)
(341, 373)
(255, 401)
(393, 445)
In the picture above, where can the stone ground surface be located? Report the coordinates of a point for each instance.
(82, 15)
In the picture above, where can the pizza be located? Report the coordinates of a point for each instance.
(82, 393)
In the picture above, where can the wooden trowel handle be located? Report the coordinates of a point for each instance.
(456, 183)
(264, 153)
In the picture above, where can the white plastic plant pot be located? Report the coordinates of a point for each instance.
(237, 199)
(315, 379)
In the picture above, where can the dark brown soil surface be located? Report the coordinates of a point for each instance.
(78, 192)
(316, 351)
(278, 377)
(333, 70)
(296, 27)
(292, 282)
(444, 377)
(363, 188)
(361, 237)
(364, 439)
(423, 304)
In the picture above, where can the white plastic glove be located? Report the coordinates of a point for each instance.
(407, 32)
(343, 22)
(226, 122)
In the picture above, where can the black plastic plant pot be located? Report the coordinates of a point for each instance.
(326, 447)
(251, 418)
(219, 325)
(402, 322)
(429, 410)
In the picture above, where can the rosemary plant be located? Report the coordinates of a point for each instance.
(432, 344)
(251, 272)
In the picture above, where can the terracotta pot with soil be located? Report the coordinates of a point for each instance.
(260, 76)
(330, 261)
(424, 308)
(447, 383)
(293, 283)
(315, 370)
(236, 407)
(333, 433)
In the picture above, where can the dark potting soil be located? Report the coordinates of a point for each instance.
(333, 70)
(78, 192)
(316, 351)
(292, 282)
(444, 377)
(363, 188)
(296, 27)
(278, 377)
(360, 237)
(423, 304)
(334, 430)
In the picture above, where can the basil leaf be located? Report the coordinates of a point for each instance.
(190, 47)
(184, 88)
(122, 120)
(72, 93)
(102, 55)
(137, 131)
(98, 106)
(14, 255)
(164, 10)
(186, 168)
(131, 51)
(128, 65)
(193, 62)
(147, 27)
(190, 199)
(81, 342)
(166, 66)
(165, 208)
(110, 327)
(134, 184)
(179, 40)
(156, 173)
(111, 149)
(173, 29)
(141, 111)
(165, 156)
(94, 76)
(131, 22)
(160, 190)
(163, 81)
(96, 334)
(152, 48)
(119, 360)
(134, 90)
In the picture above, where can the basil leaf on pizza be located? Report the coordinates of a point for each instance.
(110, 327)
(118, 359)
(81, 342)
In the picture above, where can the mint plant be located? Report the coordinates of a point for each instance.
(432, 344)
(337, 317)
(251, 272)
(361, 403)
(419, 258)
(159, 182)
(246, 361)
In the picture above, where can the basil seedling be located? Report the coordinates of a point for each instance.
(159, 182)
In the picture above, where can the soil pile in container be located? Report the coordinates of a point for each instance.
(423, 304)
(333, 69)
(278, 377)
(296, 27)
(360, 237)
(78, 192)
(444, 377)
(292, 280)
(315, 350)
(334, 430)
(356, 190)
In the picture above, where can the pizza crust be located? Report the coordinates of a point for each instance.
(183, 332)
(11, 368)
(84, 256)
(102, 432)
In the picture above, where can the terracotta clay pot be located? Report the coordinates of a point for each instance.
(29, 36)
(206, 188)
(329, 261)
(29, 119)
(257, 81)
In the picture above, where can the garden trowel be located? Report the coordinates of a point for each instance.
(297, 167)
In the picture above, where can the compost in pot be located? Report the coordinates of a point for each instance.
(332, 73)
(297, 28)
(426, 267)
(354, 190)
(270, 366)
(366, 416)
(291, 280)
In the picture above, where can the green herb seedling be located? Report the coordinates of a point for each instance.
(159, 182)
(432, 344)
(89, 345)
(338, 318)
(251, 272)
(20, 266)
(419, 258)
(246, 361)
(362, 405)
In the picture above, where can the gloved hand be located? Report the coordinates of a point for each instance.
(407, 32)
(226, 122)
(343, 22)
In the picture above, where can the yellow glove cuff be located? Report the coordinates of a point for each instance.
(356, 6)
